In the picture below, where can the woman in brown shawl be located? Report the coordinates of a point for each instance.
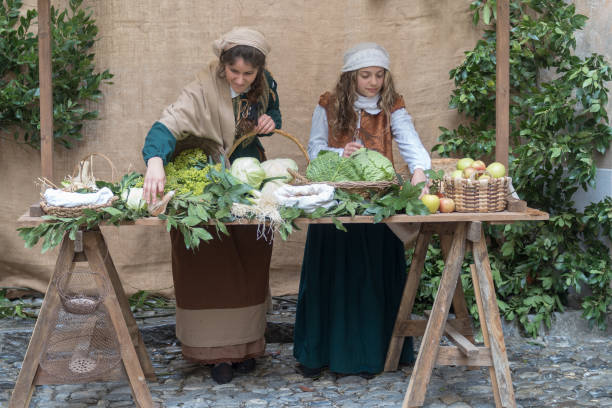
(221, 288)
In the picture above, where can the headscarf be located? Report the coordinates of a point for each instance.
(364, 55)
(241, 36)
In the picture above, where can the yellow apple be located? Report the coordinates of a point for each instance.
(496, 170)
(432, 202)
(484, 177)
(457, 174)
(463, 163)
(447, 205)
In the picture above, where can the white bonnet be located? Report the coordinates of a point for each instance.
(364, 55)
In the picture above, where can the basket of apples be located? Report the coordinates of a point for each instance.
(476, 187)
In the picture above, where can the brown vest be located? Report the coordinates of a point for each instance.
(374, 132)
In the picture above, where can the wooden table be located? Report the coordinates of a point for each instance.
(458, 232)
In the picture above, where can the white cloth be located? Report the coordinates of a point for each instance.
(307, 198)
(402, 129)
(364, 55)
(59, 198)
(241, 36)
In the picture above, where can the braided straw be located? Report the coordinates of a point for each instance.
(488, 195)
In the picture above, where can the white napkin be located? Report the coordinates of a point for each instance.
(308, 197)
(59, 198)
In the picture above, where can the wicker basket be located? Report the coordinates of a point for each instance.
(278, 131)
(488, 195)
(73, 212)
(363, 188)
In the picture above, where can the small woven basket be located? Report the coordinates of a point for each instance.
(490, 195)
(363, 188)
(73, 212)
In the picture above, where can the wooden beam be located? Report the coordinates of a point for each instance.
(502, 86)
(46, 89)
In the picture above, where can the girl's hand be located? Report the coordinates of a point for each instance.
(351, 148)
(265, 124)
(154, 180)
(418, 177)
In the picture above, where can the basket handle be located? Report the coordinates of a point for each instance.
(89, 157)
(280, 132)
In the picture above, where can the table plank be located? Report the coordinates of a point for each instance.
(499, 217)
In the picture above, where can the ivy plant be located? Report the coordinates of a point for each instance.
(558, 122)
(75, 80)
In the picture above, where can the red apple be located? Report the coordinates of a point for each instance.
(479, 165)
(447, 205)
(469, 172)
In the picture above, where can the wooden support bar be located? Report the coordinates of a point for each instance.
(417, 327)
(35, 210)
(407, 303)
(463, 344)
(502, 84)
(473, 232)
(485, 333)
(415, 394)
(46, 89)
(453, 356)
(444, 228)
(493, 324)
(47, 318)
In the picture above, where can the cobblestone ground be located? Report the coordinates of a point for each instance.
(571, 366)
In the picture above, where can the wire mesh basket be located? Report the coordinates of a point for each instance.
(81, 290)
(81, 347)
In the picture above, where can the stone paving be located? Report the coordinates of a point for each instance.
(570, 366)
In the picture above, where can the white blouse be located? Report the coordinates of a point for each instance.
(410, 147)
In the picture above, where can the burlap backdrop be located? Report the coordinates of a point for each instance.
(154, 48)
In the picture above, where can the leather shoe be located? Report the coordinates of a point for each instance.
(222, 373)
(310, 372)
(244, 367)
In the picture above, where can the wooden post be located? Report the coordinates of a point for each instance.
(502, 86)
(46, 89)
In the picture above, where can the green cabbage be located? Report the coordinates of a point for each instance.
(329, 166)
(133, 198)
(248, 170)
(373, 166)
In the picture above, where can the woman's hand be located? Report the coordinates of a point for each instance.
(154, 180)
(418, 177)
(351, 148)
(265, 124)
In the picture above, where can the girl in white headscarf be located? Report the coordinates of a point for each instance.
(352, 282)
(221, 288)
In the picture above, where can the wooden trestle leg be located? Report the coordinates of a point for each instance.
(426, 359)
(135, 358)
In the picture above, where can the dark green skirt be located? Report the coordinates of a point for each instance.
(350, 290)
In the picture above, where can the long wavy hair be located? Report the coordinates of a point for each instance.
(252, 56)
(345, 95)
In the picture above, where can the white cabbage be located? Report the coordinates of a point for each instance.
(248, 170)
(278, 168)
(133, 198)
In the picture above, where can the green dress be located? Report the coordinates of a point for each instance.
(350, 289)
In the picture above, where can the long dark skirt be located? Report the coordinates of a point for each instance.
(221, 290)
(350, 289)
